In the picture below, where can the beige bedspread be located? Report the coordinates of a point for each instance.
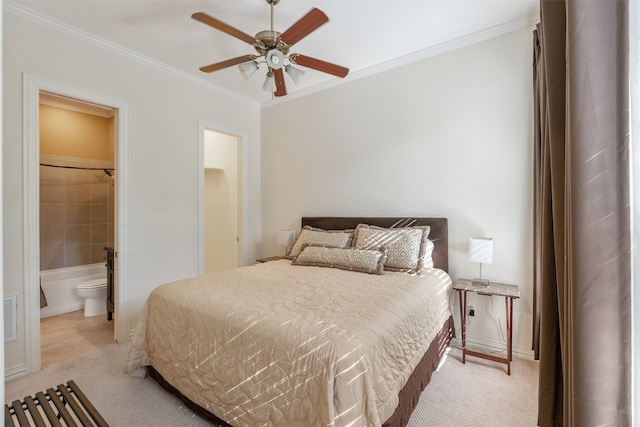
(282, 345)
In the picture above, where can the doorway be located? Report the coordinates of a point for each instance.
(221, 235)
(34, 87)
(77, 194)
(220, 199)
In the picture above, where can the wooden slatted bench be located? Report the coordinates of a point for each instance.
(65, 403)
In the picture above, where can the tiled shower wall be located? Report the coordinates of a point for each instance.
(76, 216)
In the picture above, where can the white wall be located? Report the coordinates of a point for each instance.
(448, 136)
(164, 110)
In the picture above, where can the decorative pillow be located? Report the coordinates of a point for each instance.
(318, 236)
(362, 260)
(428, 259)
(406, 246)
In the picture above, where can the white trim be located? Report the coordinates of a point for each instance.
(32, 86)
(243, 159)
(121, 244)
(64, 28)
(15, 372)
(31, 215)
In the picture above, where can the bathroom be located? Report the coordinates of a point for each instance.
(77, 186)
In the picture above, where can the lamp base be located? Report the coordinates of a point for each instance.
(480, 282)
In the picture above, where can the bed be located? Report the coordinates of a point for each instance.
(292, 342)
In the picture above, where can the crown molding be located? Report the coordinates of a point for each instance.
(526, 22)
(64, 28)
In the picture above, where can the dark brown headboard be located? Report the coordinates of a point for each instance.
(439, 230)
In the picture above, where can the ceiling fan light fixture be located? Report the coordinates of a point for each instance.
(295, 73)
(247, 69)
(269, 84)
(275, 59)
(273, 48)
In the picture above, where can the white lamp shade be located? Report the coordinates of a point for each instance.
(481, 250)
(248, 68)
(295, 73)
(269, 83)
(286, 237)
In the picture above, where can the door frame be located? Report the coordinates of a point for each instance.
(242, 199)
(32, 85)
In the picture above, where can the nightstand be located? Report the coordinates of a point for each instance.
(509, 292)
(270, 258)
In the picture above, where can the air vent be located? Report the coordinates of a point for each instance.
(10, 315)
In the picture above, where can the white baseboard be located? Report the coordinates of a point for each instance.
(491, 347)
(15, 372)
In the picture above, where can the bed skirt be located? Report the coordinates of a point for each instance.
(409, 395)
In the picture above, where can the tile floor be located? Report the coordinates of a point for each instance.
(71, 335)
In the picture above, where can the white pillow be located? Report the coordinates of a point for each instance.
(428, 260)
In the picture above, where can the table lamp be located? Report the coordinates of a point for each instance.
(481, 251)
(286, 238)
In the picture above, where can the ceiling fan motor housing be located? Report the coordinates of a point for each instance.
(267, 40)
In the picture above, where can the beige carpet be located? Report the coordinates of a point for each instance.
(478, 393)
(122, 400)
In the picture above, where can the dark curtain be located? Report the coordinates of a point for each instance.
(582, 265)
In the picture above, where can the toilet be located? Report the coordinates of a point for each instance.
(94, 293)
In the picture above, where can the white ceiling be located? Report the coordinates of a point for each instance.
(362, 35)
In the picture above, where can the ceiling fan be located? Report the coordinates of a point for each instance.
(273, 49)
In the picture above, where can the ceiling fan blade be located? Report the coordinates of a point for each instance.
(281, 89)
(225, 28)
(228, 63)
(316, 64)
(307, 24)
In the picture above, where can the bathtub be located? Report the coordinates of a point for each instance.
(59, 287)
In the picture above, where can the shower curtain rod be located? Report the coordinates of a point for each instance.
(108, 171)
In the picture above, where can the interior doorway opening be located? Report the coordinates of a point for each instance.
(76, 223)
(221, 200)
(32, 88)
